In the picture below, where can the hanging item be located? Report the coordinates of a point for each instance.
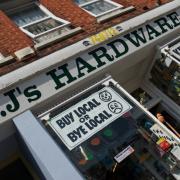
(161, 118)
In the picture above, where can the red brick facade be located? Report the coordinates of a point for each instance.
(13, 39)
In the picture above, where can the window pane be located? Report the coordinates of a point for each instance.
(99, 7)
(43, 26)
(141, 96)
(82, 1)
(95, 157)
(38, 24)
(28, 16)
(166, 76)
(52, 34)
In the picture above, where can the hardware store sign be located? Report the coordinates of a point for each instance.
(81, 121)
(47, 84)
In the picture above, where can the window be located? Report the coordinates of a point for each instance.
(94, 158)
(141, 96)
(98, 7)
(165, 75)
(36, 21)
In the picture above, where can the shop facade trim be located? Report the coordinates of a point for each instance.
(34, 91)
(79, 47)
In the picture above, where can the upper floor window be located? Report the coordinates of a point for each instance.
(40, 24)
(98, 7)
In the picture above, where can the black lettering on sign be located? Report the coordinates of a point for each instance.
(100, 118)
(164, 24)
(86, 108)
(14, 106)
(90, 127)
(177, 50)
(81, 65)
(174, 18)
(32, 93)
(84, 118)
(72, 137)
(105, 115)
(57, 78)
(78, 133)
(66, 120)
(93, 104)
(90, 105)
(136, 37)
(152, 32)
(101, 53)
(119, 46)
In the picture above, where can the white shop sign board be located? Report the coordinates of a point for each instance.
(81, 121)
(70, 68)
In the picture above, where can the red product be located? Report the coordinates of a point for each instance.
(164, 145)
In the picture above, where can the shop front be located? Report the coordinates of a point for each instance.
(106, 133)
(108, 112)
(159, 92)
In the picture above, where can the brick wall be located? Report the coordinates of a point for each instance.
(70, 12)
(11, 37)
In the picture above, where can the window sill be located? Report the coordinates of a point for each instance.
(6, 60)
(57, 38)
(114, 14)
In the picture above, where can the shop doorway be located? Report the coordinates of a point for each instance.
(15, 170)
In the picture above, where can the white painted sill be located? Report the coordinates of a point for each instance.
(114, 14)
(6, 60)
(57, 38)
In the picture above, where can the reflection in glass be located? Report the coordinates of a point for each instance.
(52, 34)
(141, 96)
(79, 2)
(27, 16)
(38, 23)
(165, 75)
(43, 26)
(94, 158)
(99, 7)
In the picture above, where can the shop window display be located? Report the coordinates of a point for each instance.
(95, 157)
(141, 96)
(165, 75)
(164, 116)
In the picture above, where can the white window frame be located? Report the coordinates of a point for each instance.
(101, 14)
(49, 16)
(1, 57)
(147, 85)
